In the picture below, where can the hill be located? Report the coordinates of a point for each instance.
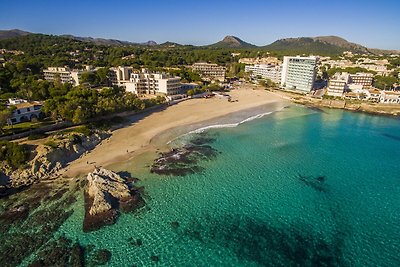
(6, 34)
(231, 42)
(305, 45)
(108, 42)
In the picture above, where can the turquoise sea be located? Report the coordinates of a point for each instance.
(297, 187)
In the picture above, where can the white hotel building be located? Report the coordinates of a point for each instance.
(266, 71)
(64, 74)
(298, 73)
(146, 82)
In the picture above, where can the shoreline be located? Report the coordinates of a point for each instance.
(144, 134)
(390, 110)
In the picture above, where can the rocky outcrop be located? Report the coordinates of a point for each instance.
(106, 193)
(48, 160)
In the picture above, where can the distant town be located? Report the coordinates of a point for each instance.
(352, 76)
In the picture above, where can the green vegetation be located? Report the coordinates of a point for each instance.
(350, 70)
(81, 104)
(385, 82)
(12, 153)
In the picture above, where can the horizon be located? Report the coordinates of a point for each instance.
(258, 23)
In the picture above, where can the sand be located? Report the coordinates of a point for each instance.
(135, 138)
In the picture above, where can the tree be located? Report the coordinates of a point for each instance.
(89, 77)
(5, 114)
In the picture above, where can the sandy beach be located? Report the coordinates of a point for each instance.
(135, 138)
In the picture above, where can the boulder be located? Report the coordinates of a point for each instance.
(106, 192)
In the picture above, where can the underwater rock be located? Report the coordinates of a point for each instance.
(107, 192)
(174, 225)
(183, 161)
(155, 258)
(317, 183)
(102, 256)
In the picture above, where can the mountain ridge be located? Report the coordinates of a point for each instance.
(328, 44)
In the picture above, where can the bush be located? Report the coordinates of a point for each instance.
(14, 154)
(83, 130)
(51, 144)
(37, 136)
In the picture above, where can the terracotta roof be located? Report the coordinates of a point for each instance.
(27, 105)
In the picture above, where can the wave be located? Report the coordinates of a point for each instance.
(218, 126)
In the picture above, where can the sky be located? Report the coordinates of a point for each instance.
(375, 24)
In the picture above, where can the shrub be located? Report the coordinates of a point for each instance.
(51, 144)
(37, 136)
(14, 154)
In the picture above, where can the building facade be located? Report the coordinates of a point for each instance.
(24, 111)
(210, 71)
(120, 75)
(64, 74)
(271, 72)
(338, 84)
(361, 78)
(298, 73)
(146, 82)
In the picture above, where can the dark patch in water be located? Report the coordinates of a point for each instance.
(267, 245)
(183, 161)
(392, 136)
(317, 183)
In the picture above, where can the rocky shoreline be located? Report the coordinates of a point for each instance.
(106, 194)
(48, 161)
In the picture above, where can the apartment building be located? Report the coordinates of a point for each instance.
(269, 71)
(120, 75)
(364, 79)
(298, 73)
(338, 84)
(210, 71)
(65, 74)
(146, 82)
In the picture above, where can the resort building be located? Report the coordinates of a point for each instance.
(24, 110)
(65, 75)
(338, 84)
(210, 71)
(269, 71)
(298, 73)
(364, 79)
(120, 75)
(390, 97)
(146, 82)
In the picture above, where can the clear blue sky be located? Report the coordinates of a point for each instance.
(374, 24)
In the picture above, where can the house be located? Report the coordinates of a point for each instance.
(24, 110)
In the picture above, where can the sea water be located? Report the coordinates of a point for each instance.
(297, 187)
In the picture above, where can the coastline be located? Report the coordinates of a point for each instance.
(392, 110)
(138, 136)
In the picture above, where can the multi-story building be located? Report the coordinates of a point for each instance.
(338, 84)
(390, 97)
(64, 74)
(298, 73)
(271, 72)
(147, 82)
(120, 75)
(24, 110)
(261, 61)
(210, 71)
(364, 79)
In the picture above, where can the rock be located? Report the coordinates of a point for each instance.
(49, 160)
(102, 256)
(155, 258)
(106, 192)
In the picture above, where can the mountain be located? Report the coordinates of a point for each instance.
(5, 34)
(232, 42)
(110, 42)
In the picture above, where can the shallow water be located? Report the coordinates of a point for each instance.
(295, 187)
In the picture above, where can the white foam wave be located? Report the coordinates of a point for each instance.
(218, 126)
